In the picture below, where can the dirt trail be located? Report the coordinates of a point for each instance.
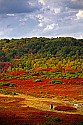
(44, 103)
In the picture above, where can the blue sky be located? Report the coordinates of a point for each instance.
(41, 18)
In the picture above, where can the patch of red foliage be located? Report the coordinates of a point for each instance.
(73, 81)
(17, 73)
(10, 101)
(15, 115)
(18, 116)
(70, 88)
(65, 108)
(42, 69)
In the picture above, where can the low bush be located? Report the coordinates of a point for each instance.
(40, 87)
(56, 81)
(7, 92)
(31, 115)
(13, 93)
(51, 120)
(53, 81)
(37, 80)
(7, 84)
(65, 108)
(57, 119)
(4, 91)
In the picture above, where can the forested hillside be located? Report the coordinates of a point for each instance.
(57, 47)
(27, 53)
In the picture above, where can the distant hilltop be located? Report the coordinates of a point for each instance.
(40, 47)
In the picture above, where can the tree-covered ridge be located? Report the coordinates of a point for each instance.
(44, 47)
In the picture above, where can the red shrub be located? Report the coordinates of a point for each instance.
(65, 108)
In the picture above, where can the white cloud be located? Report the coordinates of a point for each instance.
(49, 27)
(40, 16)
(40, 24)
(42, 19)
(73, 0)
(42, 2)
(10, 15)
(55, 10)
(23, 21)
(79, 15)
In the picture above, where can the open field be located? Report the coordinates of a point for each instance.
(26, 100)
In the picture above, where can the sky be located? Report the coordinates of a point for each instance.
(41, 18)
